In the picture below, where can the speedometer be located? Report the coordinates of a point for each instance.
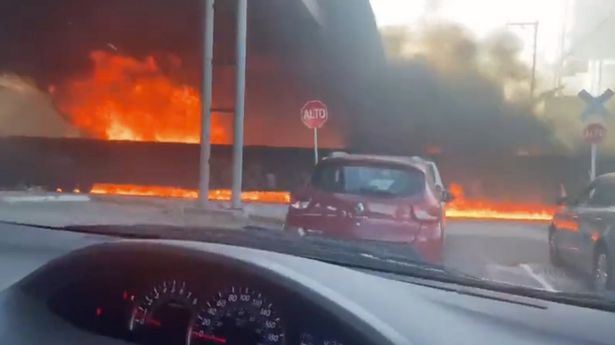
(237, 316)
(163, 314)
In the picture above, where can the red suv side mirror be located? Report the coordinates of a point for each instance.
(447, 196)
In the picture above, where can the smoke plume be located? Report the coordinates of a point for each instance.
(25, 110)
(448, 91)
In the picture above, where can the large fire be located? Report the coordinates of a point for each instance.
(124, 98)
(483, 209)
(175, 192)
(461, 208)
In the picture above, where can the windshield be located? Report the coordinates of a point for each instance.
(473, 133)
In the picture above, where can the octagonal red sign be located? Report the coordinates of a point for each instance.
(594, 133)
(314, 114)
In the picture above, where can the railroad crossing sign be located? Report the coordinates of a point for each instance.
(594, 133)
(595, 105)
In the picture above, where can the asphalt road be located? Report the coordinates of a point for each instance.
(509, 252)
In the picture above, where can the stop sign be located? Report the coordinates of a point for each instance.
(594, 133)
(314, 114)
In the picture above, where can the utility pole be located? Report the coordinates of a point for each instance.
(533, 82)
(535, 25)
(208, 53)
(240, 75)
(562, 48)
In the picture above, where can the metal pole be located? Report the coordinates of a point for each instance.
(315, 145)
(534, 52)
(208, 52)
(562, 48)
(240, 74)
(533, 82)
(600, 69)
(593, 163)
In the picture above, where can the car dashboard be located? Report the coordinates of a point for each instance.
(179, 292)
(153, 295)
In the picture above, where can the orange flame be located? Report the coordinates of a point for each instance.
(175, 192)
(460, 208)
(492, 210)
(129, 99)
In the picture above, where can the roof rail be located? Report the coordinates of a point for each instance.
(417, 158)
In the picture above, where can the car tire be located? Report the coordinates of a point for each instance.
(602, 273)
(293, 230)
(554, 256)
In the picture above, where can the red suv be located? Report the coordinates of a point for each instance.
(393, 199)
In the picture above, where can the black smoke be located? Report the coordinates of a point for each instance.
(444, 89)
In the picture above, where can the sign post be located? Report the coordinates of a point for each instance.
(316, 145)
(593, 116)
(314, 115)
(594, 134)
(592, 172)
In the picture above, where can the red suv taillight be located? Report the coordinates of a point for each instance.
(426, 214)
(299, 203)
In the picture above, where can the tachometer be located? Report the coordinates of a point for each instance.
(237, 316)
(163, 314)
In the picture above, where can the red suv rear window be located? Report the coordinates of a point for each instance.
(369, 179)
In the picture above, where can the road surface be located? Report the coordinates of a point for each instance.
(509, 252)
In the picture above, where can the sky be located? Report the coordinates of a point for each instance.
(577, 30)
(483, 17)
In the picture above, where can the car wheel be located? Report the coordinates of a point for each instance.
(602, 277)
(293, 230)
(553, 252)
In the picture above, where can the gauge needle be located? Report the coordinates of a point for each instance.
(209, 337)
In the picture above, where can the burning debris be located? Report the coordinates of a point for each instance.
(124, 98)
(460, 208)
(175, 192)
(485, 209)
